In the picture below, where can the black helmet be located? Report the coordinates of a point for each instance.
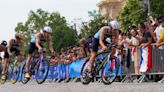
(4, 43)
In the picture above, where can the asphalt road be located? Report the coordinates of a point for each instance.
(78, 87)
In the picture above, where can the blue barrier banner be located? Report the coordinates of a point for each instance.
(63, 71)
(51, 72)
(74, 69)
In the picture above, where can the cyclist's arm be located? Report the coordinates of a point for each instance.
(50, 44)
(22, 46)
(38, 41)
(102, 33)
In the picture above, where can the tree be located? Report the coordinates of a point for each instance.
(63, 36)
(156, 7)
(132, 13)
(92, 26)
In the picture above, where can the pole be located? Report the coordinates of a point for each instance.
(148, 6)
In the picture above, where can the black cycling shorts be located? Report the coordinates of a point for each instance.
(96, 44)
(16, 52)
(32, 48)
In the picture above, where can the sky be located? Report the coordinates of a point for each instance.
(15, 11)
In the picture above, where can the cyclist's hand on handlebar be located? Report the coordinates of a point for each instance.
(40, 49)
(104, 48)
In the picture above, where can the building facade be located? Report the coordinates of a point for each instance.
(111, 8)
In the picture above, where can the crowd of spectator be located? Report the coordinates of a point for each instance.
(72, 54)
(142, 35)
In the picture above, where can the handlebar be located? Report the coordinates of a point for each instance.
(109, 48)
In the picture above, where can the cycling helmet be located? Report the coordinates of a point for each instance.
(4, 43)
(19, 36)
(47, 29)
(114, 24)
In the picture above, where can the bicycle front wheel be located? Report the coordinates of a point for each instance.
(42, 71)
(109, 71)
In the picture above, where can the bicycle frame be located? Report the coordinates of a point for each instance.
(104, 61)
(36, 60)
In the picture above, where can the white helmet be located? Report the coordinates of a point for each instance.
(47, 29)
(114, 24)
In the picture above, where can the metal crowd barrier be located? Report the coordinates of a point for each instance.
(133, 70)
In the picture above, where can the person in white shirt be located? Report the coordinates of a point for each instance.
(158, 29)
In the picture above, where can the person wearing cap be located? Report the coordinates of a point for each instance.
(99, 40)
(15, 47)
(36, 43)
(3, 45)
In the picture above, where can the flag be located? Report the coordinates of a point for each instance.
(146, 59)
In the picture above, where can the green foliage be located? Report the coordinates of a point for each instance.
(63, 36)
(132, 13)
(157, 8)
(92, 26)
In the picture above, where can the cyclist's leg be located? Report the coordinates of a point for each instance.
(93, 54)
(19, 56)
(6, 57)
(27, 66)
(31, 50)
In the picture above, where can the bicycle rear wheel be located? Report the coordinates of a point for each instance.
(42, 71)
(109, 71)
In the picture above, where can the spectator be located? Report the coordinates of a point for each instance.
(123, 40)
(146, 40)
(160, 42)
(134, 41)
(74, 53)
(158, 29)
(145, 36)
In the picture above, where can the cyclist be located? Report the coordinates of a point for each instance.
(3, 45)
(99, 39)
(36, 43)
(14, 47)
